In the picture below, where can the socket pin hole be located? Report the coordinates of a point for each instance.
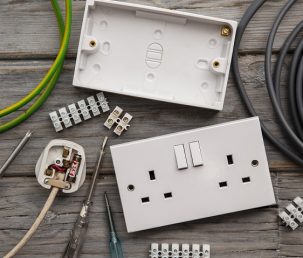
(230, 159)
(168, 195)
(255, 163)
(152, 175)
(223, 184)
(246, 179)
(130, 188)
(145, 199)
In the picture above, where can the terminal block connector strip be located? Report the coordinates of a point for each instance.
(292, 215)
(76, 113)
(179, 250)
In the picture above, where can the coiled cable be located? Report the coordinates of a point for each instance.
(42, 91)
(294, 132)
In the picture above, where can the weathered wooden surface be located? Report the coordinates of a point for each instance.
(28, 44)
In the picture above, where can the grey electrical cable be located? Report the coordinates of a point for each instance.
(15, 152)
(269, 80)
(295, 87)
(295, 151)
(278, 71)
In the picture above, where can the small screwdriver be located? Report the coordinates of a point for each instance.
(77, 237)
(114, 242)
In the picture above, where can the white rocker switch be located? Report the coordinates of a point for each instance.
(180, 157)
(196, 154)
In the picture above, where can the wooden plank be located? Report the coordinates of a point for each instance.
(151, 118)
(29, 29)
(290, 186)
(246, 234)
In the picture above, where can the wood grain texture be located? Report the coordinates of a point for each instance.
(151, 118)
(247, 234)
(28, 28)
(29, 41)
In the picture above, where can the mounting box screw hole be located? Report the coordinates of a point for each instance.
(223, 184)
(168, 195)
(255, 163)
(216, 64)
(92, 43)
(152, 175)
(145, 200)
(246, 179)
(230, 159)
(130, 188)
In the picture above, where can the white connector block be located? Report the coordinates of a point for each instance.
(179, 251)
(137, 50)
(113, 117)
(123, 124)
(75, 114)
(292, 215)
(232, 175)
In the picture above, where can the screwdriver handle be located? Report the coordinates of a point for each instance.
(77, 237)
(115, 246)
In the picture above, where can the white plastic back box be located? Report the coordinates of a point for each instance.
(155, 53)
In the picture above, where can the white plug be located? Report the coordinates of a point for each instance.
(61, 156)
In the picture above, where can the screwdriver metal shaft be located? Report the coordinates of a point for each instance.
(15, 152)
(76, 241)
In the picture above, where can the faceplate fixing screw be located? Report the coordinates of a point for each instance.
(225, 31)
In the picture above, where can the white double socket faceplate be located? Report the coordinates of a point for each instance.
(234, 175)
(155, 53)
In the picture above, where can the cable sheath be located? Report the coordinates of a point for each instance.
(36, 224)
(294, 148)
(42, 91)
